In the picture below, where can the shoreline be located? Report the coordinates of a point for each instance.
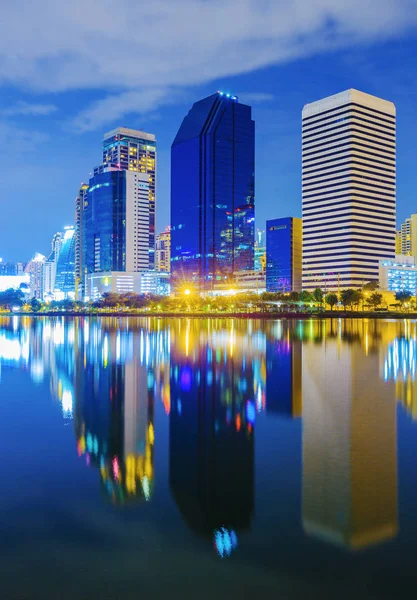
(225, 315)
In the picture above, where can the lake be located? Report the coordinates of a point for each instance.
(207, 458)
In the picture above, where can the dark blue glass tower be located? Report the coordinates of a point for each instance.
(213, 193)
(65, 267)
(104, 239)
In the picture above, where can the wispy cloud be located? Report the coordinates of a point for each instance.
(135, 48)
(255, 97)
(27, 109)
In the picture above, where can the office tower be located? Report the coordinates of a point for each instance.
(349, 444)
(49, 267)
(283, 255)
(116, 227)
(212, 193)
(7, 268)
(406, 239)
(135, 150)
(348, 177)
(65, 267)
(163, 251)
(35, 269)
(80, 205)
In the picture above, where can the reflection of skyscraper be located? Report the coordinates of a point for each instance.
(114, 412)
(349, 446)
(283, 377)
(211, 437)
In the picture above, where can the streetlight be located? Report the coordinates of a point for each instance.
(187, 292)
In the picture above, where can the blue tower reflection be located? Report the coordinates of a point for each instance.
(212, 434)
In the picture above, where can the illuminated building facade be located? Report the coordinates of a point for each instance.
(49, 267)
(80, 205)
(213, 193)
(116, 223)
(64, 285)
(406, 239)
(122, 282)
(35, 270)
(135, 151)
(283, 255)
(398, 275)
(163, 251)
(349, 444)
(349, 189)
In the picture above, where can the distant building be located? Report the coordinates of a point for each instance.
(80, 205)
(64, 286)
(212, 193)
(406, 238)
(163, 251)
(122, 282)
(35, 269)
(283, 255)
(7, 268)
(260, 250)
(49, 267)
(135, 150)
(348, 181)
(398, 275)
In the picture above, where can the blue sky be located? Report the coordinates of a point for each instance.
(68, 73)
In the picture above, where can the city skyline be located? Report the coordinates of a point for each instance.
(64, 126)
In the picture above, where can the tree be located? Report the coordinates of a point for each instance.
(35, 305)
(371, 286)
(375, 299)
(403, 297)
(294, 297)
(318, 296)
(357, 296)
(347, 297)
(331, 300)
(10, 298)
(305, 297)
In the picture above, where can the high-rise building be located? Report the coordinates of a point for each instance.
(406, 239)
(260, 250)
(80, 205)
(348, 177)
(398, 275)
(65, 267)
(7, 268)
(116, 223)
(49, 267)
(283, 255)
(134, 150)
(163, 251)
(35, 269)
(212, 193)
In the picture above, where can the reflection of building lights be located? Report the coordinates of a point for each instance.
(250, 412)
(146, 487)
(225, 541)
(67, 403)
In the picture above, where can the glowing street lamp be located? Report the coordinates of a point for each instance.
(187, 292)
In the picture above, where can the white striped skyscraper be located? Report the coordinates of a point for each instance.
(348, 179)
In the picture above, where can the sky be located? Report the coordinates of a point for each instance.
(71, 71)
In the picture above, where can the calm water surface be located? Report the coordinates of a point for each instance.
(207, 458)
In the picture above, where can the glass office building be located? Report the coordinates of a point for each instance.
(212, 193)
(399, 275)
(283, 255)
(65, 267)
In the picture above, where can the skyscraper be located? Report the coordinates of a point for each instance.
(348, 175)
(49, 267)
(135, 150)
(65, 267)
(283, 255)
(80, 205)
(163, 251)
(116, 224)
(406, 240)
(35, 269)
(212, 193)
